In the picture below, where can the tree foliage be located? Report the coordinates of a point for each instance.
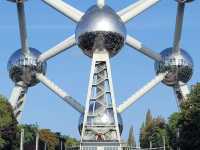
(30, 132)
(131, 138)
(49, 138)
(184, 127)
(153, 131)
(172, 130)
(189, 121)
(69, 141)
(8, 125)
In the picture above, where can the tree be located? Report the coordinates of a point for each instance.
(153, 131)
(159, 133)
(30, 132)
(189, 121)
(69, 141)
(146, 130)
(149, 118)
(8, 125)
(172, 130)
(131, 138)
(49, 138)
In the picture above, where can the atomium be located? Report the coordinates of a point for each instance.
(100, 33)
(24, 67)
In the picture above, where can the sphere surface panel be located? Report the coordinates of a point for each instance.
(178, 65)
(102, 29)
(23, 68)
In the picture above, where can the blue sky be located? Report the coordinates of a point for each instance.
(70, 70)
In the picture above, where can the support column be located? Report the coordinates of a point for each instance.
(181, 92)
(101, 119)
(17, 99)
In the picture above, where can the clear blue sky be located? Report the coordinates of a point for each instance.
(70, 70)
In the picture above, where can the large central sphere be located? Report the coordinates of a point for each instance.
(104, 119)
(179, 66)
(100, 29)
(24, 67)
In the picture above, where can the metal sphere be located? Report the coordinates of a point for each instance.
(17, 1)
(105, 119)
(184, 1)
(23, 68)
(178, 65)
(100, 29)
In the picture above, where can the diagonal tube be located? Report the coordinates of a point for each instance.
(16, 92)
(65, 96)
(17, 99)
(132, 11)
(179, 26)
(149, 86)
(66, 9)
(22, 27)
(66, 44)
(132, 42)
(132, 6)
(181, 91)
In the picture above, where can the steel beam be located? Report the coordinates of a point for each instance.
(132, 42)
(57, 90)
(132, 11)
(66, 9)
(61, 47)
(149, 86)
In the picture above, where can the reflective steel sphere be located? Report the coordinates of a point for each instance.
(18, 1)
(184, 1)
(105, 119)
(179, 66)
(23, 68)
(100, 29)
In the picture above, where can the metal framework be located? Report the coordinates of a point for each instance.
(100, 33)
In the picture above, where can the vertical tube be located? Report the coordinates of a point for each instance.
(37, 140)
(164, 143)
(45, 146)
(22, 27)
(61, 145)
(22, 140)
(150, 143)
(179, 26)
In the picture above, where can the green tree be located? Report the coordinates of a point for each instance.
(131, 138)
(189, 121)
(159, 133)
(172, 130)
(149, 118)
(146, 130)
(30, 132)
(8, 125)
(69, 141)
(153, 131)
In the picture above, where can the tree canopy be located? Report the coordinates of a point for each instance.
(8, 125)
(131, 138)
(153, 132)
(189, 121)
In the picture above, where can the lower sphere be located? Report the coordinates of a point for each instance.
(106, 119)
(23, 67)
(179, 66)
